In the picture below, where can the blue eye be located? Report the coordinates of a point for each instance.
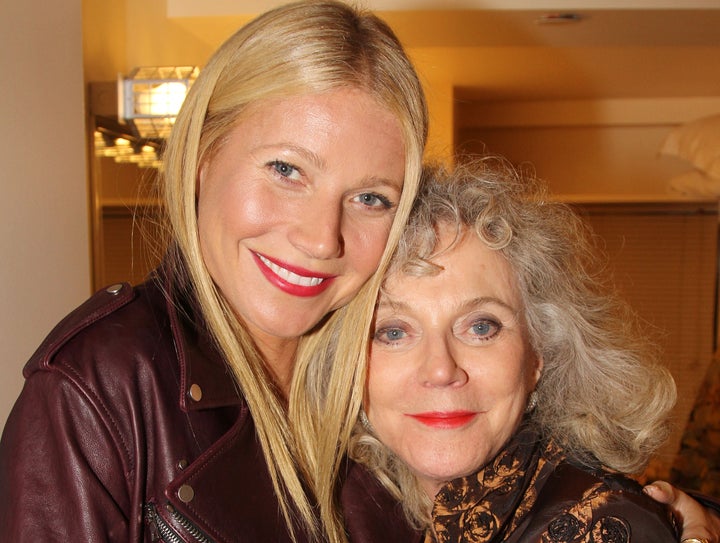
(485, 329)
(284, 169)
(389, 335)
(371, 199)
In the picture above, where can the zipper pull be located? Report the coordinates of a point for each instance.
(150, 517)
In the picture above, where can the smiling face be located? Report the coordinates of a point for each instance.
(451, 365)
(295, 207)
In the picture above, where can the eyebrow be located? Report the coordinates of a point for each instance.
(395, 306)
(488, 300)
(307, 154)
(398, 306)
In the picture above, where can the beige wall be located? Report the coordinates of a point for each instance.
(44, 267)
(602, 148)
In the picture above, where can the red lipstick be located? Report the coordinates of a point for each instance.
(292, 279)
(444, 419)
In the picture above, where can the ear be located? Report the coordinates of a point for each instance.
(199, 179)
(538, 367)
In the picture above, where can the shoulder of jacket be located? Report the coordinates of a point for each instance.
(569, 479)
(104, 302)
(613, 481)
(577, 500)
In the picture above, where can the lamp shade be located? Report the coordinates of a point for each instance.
(150, 97)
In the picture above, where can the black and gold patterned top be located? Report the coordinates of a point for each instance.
(530, 493)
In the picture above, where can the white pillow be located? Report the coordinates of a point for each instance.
(695, 183)
(698, 142)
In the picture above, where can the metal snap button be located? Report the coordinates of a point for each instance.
(186, 493)
(195, 392)
(114, 289)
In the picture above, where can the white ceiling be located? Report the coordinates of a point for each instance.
(619, 48)
(191, 8)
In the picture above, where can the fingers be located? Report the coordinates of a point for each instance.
(662, 492)
(697, 521)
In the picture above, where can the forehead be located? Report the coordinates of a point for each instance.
(339, 101)
(467, 269)
(345, 115)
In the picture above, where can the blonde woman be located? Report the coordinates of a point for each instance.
(191, 407)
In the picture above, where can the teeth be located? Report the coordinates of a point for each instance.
(291, 277)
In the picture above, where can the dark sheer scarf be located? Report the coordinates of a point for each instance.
(489, 505)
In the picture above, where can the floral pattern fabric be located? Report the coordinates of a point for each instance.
(521, 497)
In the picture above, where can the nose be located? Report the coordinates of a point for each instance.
(317, 232)
(441, 367)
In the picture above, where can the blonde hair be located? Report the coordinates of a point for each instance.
(300, 48)
(602, 395)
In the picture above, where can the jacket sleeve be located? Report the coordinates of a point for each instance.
(609, 515)
(627, 516)
(578, 505)
(61, 467)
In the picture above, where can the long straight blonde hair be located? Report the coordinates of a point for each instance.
(300, 48)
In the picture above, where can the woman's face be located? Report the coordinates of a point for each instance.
(295, 207)
(451, 366)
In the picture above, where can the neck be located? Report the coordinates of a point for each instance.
(279, 357)
(431, 486)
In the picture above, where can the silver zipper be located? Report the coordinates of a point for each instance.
(166, 533)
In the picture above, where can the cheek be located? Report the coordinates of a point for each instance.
(509, 417)
(236, 208)
(365, 245)
(374, 390)
(382, 391)
(510, 383)
(392, 394)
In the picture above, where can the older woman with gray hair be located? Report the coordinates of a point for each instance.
(509, 389)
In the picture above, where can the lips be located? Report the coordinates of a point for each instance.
(444, 419)
(291, 279)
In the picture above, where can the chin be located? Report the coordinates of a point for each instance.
(452, 472)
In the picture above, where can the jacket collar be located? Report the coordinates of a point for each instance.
(233, 473)
(206, 380)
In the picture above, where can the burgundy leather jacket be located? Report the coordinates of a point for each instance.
(129, 429)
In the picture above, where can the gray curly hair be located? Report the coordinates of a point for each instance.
(602, 395)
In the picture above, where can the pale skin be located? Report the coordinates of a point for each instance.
(697, 521)
(310, 183)
(446, 341)
(455, 345)
(294, 211)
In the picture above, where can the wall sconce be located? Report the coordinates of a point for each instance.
(150, 97)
